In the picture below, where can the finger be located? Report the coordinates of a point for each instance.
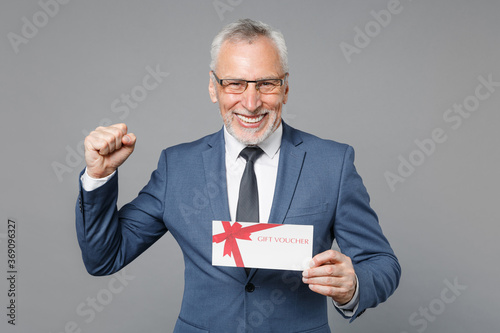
(340, 295)
(326, 281)
(95, 142)
(116, 132)
(107, 139)
(327, 257)
(122, 127)
(129, 139)
(326, 291)
(343, 281)
(122, 137)
(325, 270)
(340, 289)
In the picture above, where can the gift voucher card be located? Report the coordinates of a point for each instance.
(262, 245)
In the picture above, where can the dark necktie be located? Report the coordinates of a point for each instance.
(248, 199)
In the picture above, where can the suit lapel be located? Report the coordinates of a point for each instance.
(289, 168)
(215, 176)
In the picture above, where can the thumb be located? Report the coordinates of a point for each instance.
(129, 139)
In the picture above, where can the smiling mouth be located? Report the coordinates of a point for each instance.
(250, 120)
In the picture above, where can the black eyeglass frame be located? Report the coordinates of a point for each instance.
(220, 81)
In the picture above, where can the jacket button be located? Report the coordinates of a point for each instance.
(249, 288)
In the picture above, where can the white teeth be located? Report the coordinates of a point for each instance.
(250, 120)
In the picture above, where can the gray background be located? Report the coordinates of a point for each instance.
(442, 221)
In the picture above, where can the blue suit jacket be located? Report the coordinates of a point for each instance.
(316, 184)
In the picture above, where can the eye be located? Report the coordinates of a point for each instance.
(233, 83)
(269, 83)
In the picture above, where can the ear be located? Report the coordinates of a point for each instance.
(285, 97)
(212, 89)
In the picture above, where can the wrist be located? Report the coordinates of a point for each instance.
(90, 184)
(98, 175)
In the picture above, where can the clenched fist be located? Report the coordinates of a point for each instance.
(106, 148)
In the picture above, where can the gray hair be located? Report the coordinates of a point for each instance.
(248, 30)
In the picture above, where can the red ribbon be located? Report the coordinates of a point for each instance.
(232, 232)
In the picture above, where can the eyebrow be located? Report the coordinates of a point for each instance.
(258, 79)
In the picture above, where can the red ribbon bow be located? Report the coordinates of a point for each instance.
(232, 232)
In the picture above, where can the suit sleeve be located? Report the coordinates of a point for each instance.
(360, 237)
(110, 239)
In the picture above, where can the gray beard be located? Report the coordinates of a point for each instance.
(248, 138)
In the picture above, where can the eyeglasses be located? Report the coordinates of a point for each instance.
(236, 86)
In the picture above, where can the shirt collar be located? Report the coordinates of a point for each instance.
(270, 146)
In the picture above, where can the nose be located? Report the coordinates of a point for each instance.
(250, 98)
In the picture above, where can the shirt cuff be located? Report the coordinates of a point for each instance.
(350, 307)
(90, 184)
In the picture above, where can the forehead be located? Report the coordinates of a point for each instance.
(249, 60)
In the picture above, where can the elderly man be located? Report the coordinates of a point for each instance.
(296, 178)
